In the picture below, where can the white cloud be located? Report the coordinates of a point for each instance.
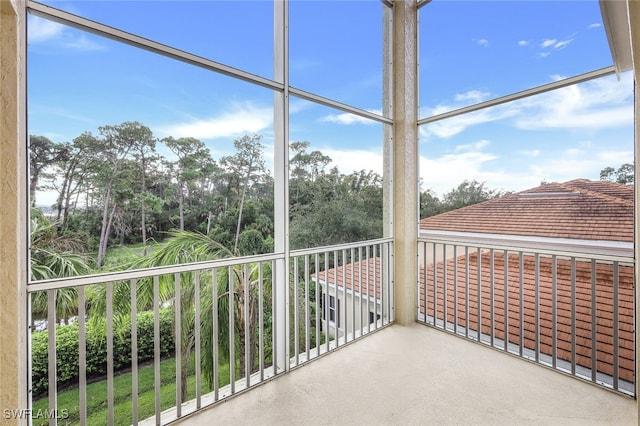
(477, 146)
(598, 104)
(81, 43)
(348, 118)
(523, 43)
(594, 25)
(573, 163)
(348, 161)
(531, 153)
(554, 44)
(543, 54)
(45, 31)
(562, 44)
(41, 30)
(483, 42)
(472, 95)
(445, 172)
(455, 125)
(588, 107)
(615, 157)
(240, 118)
(548, 42)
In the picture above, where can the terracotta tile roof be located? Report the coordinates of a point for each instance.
(586, 302)
(356, 277)
(580, 209)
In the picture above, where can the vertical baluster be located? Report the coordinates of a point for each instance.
(573, 316)
(353, 295)
(505, 258)
(479, 295)
(296, 312)
(467, 314)
(215, 331)
(110, 389)
(196, 326)
(261, 320)
(274, 318)
(134, 351)
(368, 282)
(554, 310)
(307, 308)
(455, 289)
(422, 286)
(232, 334)
(537, 303)
(318, 296)
(336, 306)
(522, 304)
(374, 296)
(616, 361)
(435, 285)
(594, 328)
(82, 356)
(325, 312)
(382, 281)
(156, 347)
(445, 283)
(247, 346)
(178, 341)
(492, 315)
(345, 325)
(360, 290)
(51, 334)
(389, 282)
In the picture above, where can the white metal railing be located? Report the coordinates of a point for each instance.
(573, 312)
(210, 302)
(223, 327)
(342, 293)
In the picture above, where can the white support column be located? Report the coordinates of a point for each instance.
(387, 158)
(634, 22)
(405, 158)
(13, 213)
(281, 179)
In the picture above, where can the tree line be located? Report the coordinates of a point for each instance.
(115, 188)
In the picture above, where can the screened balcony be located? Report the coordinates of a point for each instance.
(321, 320)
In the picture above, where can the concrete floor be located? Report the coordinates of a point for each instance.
(419, 376)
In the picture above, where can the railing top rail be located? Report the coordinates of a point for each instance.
(314, 250)
(148, 272)
(617, 257)
(187, 267)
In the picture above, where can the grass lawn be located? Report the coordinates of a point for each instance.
(120, 255)
(97, 396)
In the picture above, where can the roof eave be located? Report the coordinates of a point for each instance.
(613, 249)
(615, 16)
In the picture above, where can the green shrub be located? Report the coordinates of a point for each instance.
(67, 343)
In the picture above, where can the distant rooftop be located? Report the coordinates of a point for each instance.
(578, 209)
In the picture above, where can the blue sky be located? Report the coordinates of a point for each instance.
(469, 52)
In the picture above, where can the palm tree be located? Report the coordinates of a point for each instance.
(55, 255)
(187, 247)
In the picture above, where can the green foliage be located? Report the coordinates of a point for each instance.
(251, 242)
(96, 348)
(623, 174)
(54, 255)
(430, 204)
(97, 395)
(343, 208)
(465, 194)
